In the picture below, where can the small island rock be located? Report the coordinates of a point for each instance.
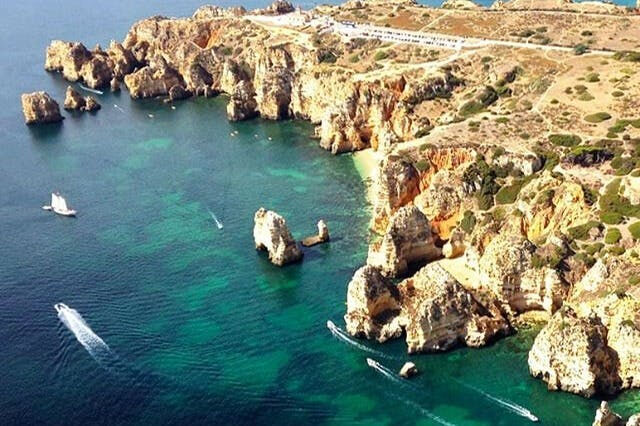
(271, 233)
(606, 417)
(73, 101)
(321, 237)
(39, 107)
(408, 370)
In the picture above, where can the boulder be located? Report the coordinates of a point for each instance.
(39, 107)
(270, 233)
(606, 417)
(321, 237)
(438, 313)
(408, 370)
(408, 241)
(571, 354)
(372, 306)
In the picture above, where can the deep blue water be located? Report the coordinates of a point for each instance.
(201, 329)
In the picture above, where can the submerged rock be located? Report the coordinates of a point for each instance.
(39, 107)
(321, 237)
(271, 233)
(408, 370)
(373, 304)
(408, 240)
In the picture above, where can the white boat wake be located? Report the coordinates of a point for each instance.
(96, 347)
(97, 92)
(394, 377)
(116, 106)
(511, 406)
(341, 335)
(213, 216)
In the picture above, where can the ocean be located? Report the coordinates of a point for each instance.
(174, 321)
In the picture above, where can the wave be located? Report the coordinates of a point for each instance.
(341, 335)
(395, 378)
(509, 405)
(213, 216)
(94, 345)
(97, 92)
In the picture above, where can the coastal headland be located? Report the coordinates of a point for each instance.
(506, 141)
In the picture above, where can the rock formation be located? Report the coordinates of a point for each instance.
(270, 233)
(408, 370)
(278, 7)
(572, 354)
(73, 101)
(321, 237)
(408, 241)
(606, 417)
(39, 107)
(373, 304)
(155, 79)
(439, 314)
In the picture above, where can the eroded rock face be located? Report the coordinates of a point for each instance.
(372, 306)
(439, 314)
(39, 108)
(270, 233)
(572, 354)
(67, 58)
(242, 103)
(153, 80)
(606, 417)
(278, 7)
(408, 240)
(73, 101)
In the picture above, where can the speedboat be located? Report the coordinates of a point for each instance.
(59, 206)
(60, 306)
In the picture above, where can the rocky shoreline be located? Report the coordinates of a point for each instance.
(477, 163)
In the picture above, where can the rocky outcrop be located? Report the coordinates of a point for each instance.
(270, 233)
(155, 79)
(321, 237)
(39, 107)
(242, 103)
(209, 11)
(67, 58)
(373, 305)
(606, 417)
(408, 241)
(178, 93)
(73, 101)
(408, 370)
(572, 354)
(278, 7)
(439, 314)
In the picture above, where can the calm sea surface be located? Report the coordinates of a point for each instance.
(194, 326)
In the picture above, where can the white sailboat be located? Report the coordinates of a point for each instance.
(59, 206)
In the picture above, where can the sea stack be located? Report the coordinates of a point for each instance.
(270, 233)
(39, 107)
(73, 101)
(321, 237)
(408, 370)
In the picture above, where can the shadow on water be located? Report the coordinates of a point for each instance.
(46, 132)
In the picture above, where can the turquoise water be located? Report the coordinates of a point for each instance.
(201, 328)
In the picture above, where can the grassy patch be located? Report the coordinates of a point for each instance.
(634, 228)
(468, 222)
(565, 140)
(380, 55)
(508, 193)
(598, 117)
(613, 236)
(581, 232)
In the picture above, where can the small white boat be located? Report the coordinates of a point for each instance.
(59, 206)
(97, 92)
(150, 115)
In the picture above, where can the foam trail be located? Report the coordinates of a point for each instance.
(97, 92)
(511, 406)
(213, 216)
(391, 375)
(337, 332)
(118, 108)
(96, 347)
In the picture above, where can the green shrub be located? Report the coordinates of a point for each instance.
(592, 77)
(627, 55)
(422, 165)
(613, 236)
(508, 193)
(585, 258)
(565, 140)
(580, 49)
(592, 249)
(354, 58)
(502, 120)
(617, 93)
(616, 250)
(468, 222)
(470, 108)
(226, 50)
(598, 117)
(634, 228)
(581, 232)
(380, 55)
(611, 201)
(611, 218)
(634, 280)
